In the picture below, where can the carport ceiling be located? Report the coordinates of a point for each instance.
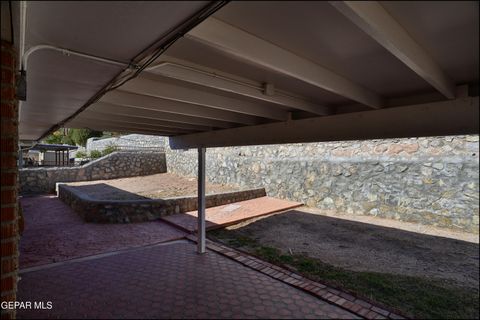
(257, 72)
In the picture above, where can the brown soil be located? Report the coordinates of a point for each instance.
(157, 186)
(378, 245)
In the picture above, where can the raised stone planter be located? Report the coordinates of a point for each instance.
(124, 211)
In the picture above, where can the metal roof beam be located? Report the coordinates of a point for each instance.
(451, 117)
(158, 104)
(249, 48)
(139, 112)
(375, 21)
(140, 124)
(95, 121)
(214, 79)
(117, 128)
(141, 120)
(164, 90)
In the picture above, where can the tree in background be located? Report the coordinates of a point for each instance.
(111, 134)
(72, 136)
(55, 138)
(61, 136)
(80, 136)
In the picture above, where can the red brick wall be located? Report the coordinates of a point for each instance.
(9, 176)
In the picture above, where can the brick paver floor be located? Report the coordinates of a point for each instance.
(165, 281)
(54, 232)
(135, 270)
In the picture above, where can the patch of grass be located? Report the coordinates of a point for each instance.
(81, 154)
(95, 154)
(109, 149)
(414, 296)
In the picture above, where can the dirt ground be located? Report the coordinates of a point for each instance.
(407, 226)
(157, 186)
(371, 244)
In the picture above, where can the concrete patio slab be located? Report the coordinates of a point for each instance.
(165, 281)
(217, 217)
(54, 232)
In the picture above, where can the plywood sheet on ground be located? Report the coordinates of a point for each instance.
(217, 217)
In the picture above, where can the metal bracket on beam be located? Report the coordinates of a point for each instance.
(268, 89)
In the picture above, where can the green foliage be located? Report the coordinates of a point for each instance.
(72, 136)
(109, 149)
(58, 137)
(81, 154)
(110, 134)
(67, 139)
(80, 136)
(55, 138)
(94, 154)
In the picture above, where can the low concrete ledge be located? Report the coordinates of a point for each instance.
(124, 211)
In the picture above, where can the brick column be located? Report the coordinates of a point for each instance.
(9, 176)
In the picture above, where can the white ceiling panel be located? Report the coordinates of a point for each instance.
(58, 85)
(302, 70)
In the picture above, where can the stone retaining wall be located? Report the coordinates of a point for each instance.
(124, 211)
(118, 164)
(130, 141)
(433, 181)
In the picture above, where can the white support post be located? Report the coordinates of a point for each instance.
(201, 233)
